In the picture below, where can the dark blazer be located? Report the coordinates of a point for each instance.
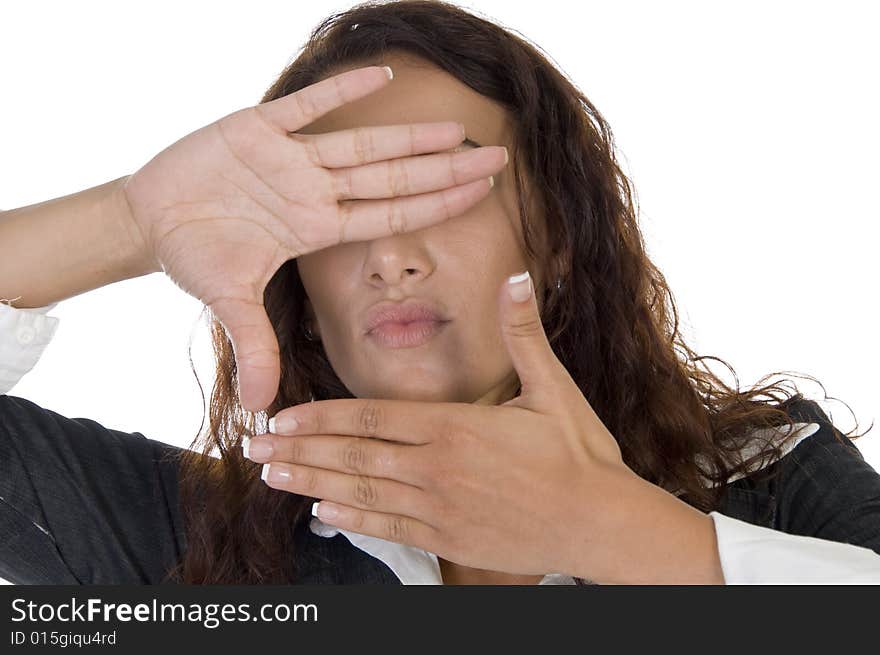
(84, 504)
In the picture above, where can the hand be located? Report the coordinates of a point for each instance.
(493, 487)
(224, 207)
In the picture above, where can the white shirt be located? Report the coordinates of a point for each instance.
(749, 554)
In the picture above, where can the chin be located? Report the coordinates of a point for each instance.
(424, 391)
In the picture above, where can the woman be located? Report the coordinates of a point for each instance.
(467, 447)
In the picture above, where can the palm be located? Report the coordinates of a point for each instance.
(228, 193)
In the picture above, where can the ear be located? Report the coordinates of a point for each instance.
(556, 268)
(309, 317)
(552, 270)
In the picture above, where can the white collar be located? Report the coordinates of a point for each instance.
(417, 566)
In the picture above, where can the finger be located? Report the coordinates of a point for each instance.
(296, 110)
(390, 527)
(407, 176)
(353, 455)
(364, 220)
(539, 370)
(256, 349)
(361, 491)
(363, 145)
(404, 421)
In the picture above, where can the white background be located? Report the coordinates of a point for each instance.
(749, 130)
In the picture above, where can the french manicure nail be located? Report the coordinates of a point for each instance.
(283, 424)
(261, 448)
(520, 286)
(275, 474)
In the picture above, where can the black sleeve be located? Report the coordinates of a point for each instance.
(826, 489)
(84, 504)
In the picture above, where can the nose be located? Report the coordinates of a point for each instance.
(397, 260)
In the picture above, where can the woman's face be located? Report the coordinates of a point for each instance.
(459, 264)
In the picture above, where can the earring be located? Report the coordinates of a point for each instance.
(559, 283)
(309, 334)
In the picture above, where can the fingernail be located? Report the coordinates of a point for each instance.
(259, 449)
(389, 72)
(491, 181)
(283, 424)
(328, 512)
(506, 156)
(274, 474)
(520, 286)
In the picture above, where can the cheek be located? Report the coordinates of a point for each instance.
(325, 275)
(313, 266)
(478, 309)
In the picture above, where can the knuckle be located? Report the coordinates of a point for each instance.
(450, 159)
(401, 226)
(371, 147)
(369, 419)
(359, 521)
(347, 190)
(399, 178)
(396, 528)
(310, 147)
(389, 218)
(447, 211)
(361, 145)
(295, 449)
(309, 479)
(317, 419)
(396, 217)
(353, 457)
(412, 139)
(365, 491)
(344, 211)
(339, 91)
(527, 328)
(306, 107)
(337, 184)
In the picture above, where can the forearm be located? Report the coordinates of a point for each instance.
(62, 247)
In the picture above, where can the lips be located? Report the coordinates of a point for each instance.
(409, 311)
(405, 335)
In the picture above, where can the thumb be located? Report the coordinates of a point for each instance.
(256, 350)
(533, 358)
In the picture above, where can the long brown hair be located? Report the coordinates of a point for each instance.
(612, 323)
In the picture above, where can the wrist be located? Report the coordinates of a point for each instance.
(137, 255)
(648, 536)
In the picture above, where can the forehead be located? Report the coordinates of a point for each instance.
(419, 93)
